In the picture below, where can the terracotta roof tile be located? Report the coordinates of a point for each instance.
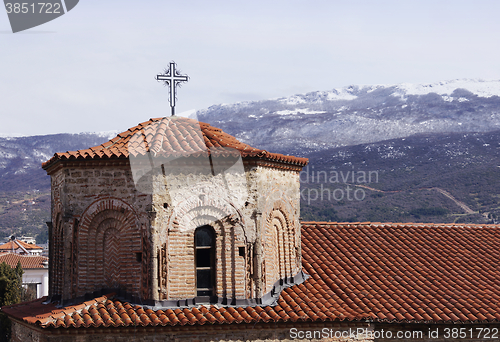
(16, 245)
(27, 261)
(384, 272)
(426, 272)
(170, 136)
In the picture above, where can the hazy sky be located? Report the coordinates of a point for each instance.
(93, 69)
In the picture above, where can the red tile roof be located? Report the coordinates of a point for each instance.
(377, 271)
(27, 261)
(406, 271)
(16, 243)
(170, 136)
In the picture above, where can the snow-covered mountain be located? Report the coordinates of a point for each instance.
(330, 127)
(360, 114)
(21, 157)
(306, 123)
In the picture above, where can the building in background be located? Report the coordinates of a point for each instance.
(36, 271)
(20, 247)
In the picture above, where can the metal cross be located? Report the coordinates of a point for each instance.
(172, 78)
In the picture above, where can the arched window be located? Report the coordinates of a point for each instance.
(204, 242)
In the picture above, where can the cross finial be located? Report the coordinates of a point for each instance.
(172, 78)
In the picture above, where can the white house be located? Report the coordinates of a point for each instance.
(36, 271)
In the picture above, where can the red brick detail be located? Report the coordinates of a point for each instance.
(200, 210)
(146, 290)
(112, 260)
(177, 270)
(162, 271)
(56, 248)
(279, 245)
(74, 258)
(178, 282)
(108, 239)
(57, 254)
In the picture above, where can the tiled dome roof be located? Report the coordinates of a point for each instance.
(171, 136)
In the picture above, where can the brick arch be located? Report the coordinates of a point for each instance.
(279, 223)
(108, 238)
(280, 242)
(197, 211)
(227, 222)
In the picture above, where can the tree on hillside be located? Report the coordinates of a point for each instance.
(10, 293)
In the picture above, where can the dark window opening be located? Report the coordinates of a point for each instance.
(241, 251)
(138, 256)
(204, 242)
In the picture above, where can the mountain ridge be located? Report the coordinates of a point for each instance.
(359, 114)
(418, 137)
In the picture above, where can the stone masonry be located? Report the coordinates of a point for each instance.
(108, 235)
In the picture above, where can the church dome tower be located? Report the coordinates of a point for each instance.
(174, 212)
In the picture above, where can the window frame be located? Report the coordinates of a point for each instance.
(206, 294)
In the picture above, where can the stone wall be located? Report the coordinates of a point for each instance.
(98, 218)
(107, 234)
(188, 196)
(240, 206)
(278, 199)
